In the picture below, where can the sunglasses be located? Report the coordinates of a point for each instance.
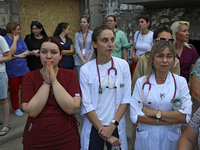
(164, 39)
(35, 22)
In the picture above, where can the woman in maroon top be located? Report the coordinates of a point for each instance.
(50, 96)
(186, 53)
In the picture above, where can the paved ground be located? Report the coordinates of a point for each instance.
(13, 140)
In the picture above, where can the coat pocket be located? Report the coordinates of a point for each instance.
(142, 140)
(173, 139)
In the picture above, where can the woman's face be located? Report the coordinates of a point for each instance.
(16, 31)
(84, 24)
(143, 24)
(105, 43)
(36, 31)
(50, 52)
(67, 30)
(111, 22)
(183, 34)
(163, 61)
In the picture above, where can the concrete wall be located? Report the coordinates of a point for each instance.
(9, 11)
(127, 16)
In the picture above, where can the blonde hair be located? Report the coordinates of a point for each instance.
(175, 27)
(159, 46)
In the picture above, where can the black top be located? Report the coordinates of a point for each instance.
(33, 44)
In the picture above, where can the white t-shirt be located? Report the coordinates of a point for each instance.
(3, 48)
(143, 42)
(106, 101)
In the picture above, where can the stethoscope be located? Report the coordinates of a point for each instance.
(147, 82)
(112, 67)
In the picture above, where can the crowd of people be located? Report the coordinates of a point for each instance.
(163, 80)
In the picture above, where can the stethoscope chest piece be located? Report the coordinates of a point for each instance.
(173, 100)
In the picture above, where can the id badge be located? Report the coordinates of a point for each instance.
(83, 51)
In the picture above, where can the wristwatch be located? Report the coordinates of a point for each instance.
(158, 115)
(116, 123)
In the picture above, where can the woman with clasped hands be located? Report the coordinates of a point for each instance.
(50, 96)
(153, 100)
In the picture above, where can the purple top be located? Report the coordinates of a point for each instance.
(188, 57)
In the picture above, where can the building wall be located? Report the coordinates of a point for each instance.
(127, 14)
(49, 13)
(9, 11)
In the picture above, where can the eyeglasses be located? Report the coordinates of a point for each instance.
(164, 39)
(35, 22)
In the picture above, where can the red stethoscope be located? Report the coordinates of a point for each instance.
(112, 67)
(147, 82)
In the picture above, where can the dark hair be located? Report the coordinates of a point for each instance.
(3, 32)
(39, 26)
(113, 18)
(11, 26)
(146, 18)
(160, 29)
(55, 41)
(59, 30)
(97, 31)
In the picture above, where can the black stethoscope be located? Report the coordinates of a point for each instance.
(147, 82)
(112, 67)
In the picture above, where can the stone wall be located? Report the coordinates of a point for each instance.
(127, 14)
(9, 11)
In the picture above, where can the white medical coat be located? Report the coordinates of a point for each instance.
(159, 137)
(89, 84)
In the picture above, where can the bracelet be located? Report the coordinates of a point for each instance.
(47, 83)
(157, 121)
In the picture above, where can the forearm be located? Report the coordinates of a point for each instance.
(89, 57)
(64, 99)
(13, 47)
(94, 120)
(151, 120)
(69, 52)
(125, 54)
(34, 107)
(81, 56)
(23, 55)
(172, 117)
(7, 57)
(120, 112)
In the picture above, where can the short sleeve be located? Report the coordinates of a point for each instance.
(3, 45)
(195, 121)
(124, 41)
(74, 88)
(196, 69)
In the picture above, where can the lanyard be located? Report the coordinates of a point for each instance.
(84, 39)
(112, 67)
(147, 82)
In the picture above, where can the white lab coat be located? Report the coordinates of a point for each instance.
(159, 137)
(89, 84)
